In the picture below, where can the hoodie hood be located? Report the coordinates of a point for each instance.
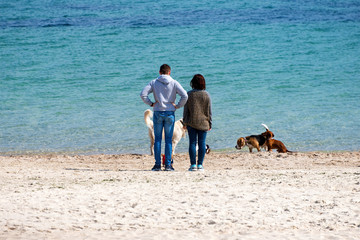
(166, 79)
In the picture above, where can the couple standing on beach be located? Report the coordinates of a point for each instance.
(196, 117)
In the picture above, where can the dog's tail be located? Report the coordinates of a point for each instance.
(266, 127)
(148, 114)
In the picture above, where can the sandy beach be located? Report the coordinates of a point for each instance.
(307, 195)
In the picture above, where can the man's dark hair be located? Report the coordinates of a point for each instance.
(165, 69)
(198, 82)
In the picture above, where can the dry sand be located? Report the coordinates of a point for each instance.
(312, 195)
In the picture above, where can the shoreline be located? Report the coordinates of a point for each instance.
(306, 195)
(81, 153)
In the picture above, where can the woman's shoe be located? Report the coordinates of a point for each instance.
(193, 168)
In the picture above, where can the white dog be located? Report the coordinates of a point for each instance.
(179, 131)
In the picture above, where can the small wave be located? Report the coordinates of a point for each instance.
(58, 25)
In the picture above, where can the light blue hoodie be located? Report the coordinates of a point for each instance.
(164, 89)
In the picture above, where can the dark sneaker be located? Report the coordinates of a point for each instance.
(156, 168)
(169, 168)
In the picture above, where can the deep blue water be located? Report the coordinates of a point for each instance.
(71, 72)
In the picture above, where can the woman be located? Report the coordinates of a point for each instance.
(197, 119)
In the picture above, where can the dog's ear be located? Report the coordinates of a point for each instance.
(241, 142)
(267, 135)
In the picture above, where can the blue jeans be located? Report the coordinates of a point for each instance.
(163, 120)
(196, 136)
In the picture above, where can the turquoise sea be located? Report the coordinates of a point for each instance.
(71, 71)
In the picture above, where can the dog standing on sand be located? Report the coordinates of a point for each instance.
(179, 131)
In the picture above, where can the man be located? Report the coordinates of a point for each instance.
(164, 89)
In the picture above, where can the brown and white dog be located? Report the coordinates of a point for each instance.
(255, 141)
(276, 144)
(179, 131)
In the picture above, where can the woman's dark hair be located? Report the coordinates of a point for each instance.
(198, 82)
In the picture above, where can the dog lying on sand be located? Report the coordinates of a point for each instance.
(179, 131)
(276, 144)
